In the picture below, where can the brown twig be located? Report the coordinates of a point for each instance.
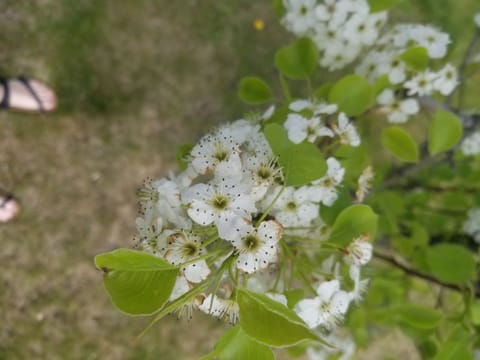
(406, 269)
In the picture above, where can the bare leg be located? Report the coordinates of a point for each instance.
(39, 97)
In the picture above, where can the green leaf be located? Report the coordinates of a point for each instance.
(294, 296)
(451, 263)
(420, 317)
(475, 312)
(415, 58)
(444, 132)
(455, 346)
(330, 213)
(322, 92)
(380, 5)
(271, 322)
(354, 221)
(237, 345)
(301, 163)
(254, 90)
(400, 143)
(381, 84)
(298, 60)
(138, 283)
(182, 155)
(353, 94)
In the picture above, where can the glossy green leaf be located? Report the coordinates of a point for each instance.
(353, 94)
(445, 131)
(354, 221)
(298, 60)
(380, 5)
(451, 263)
(138, 283)
(271, 322)
(420, 317)
(398, 142)
(301, 163)
(235, 344)
(415, 58)
(254, 90)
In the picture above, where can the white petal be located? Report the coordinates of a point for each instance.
(201, 213)
(327, 288)
(196, 272)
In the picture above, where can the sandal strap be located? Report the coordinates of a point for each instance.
(6, 94)
(26, 82)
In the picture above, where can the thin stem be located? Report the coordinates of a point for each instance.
(284, 86)
(409, 171)
(393, 261)
(265, 213)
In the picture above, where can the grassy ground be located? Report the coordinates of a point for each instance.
(134, 81)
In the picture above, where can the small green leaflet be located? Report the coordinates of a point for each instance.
(138, 283)
(445, 131)
(298, 60)
(254, 90)
(352, 222)
(398, 142)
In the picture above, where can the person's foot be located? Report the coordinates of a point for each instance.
(28, 95)
(9, 208)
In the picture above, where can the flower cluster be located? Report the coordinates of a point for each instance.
(345, 29)
(389, 59)
(229, 215)
(341, 29)
(471, 226)
(309, 120)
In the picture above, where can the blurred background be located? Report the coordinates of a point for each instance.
(134, 80)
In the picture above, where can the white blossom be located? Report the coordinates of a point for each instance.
(359, 252)
(325, 188)
(398, 111)
(364, 183)
(471, 144)
(471, 226)
(182, 248)
(327, 309)
(300, 128)
(225, 309)
(476, 19)
(291, 209)
(421, 84)
(300, 16)
(257, 248)
(218, 153)
(359, 285)
(446, 80)
(346, 131)
(227, 204)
